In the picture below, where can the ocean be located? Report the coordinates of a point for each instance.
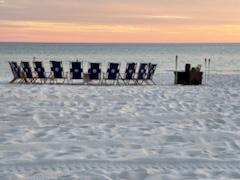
(225, 58)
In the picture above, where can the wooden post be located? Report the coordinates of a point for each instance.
(176, 69)
(205, 68)
(209, 61)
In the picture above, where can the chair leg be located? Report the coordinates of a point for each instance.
(68, 81)
(136, 82)
(126, 83)
(13, 80)
(21, 80)
(153, 82)
(34, 80)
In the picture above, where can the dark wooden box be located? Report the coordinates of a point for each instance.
(188, 78)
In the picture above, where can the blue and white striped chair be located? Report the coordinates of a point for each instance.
(129, 73)
(16, 71)
(112, 72)
(57, 71)
(27, 71)
(142, 73)
(94, 71)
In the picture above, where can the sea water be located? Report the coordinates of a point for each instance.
(224, 58)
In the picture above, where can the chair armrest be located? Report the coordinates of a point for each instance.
(49, 74)
(121, 75)
(103, 75)
(65, 74)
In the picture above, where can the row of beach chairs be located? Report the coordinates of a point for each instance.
(24, 73)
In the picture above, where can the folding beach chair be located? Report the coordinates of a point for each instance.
(76, 70)
(17, 74)
(40, 71)
(94, 71)
(129, 73)
(112, 72)
(151, 71)
(142, 73)
(27, 71)
(57, 71)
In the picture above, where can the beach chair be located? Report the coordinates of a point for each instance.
(142, 73)
(76, 70)
(94, 72)
(16, 71)
(151, 70)
(40, 72)
(129, 74)
(57, 72)
(27, 71)
(112, 73)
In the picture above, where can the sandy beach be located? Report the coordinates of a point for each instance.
(121, 132)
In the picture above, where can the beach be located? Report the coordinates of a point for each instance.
(161, 131)
(121, 132)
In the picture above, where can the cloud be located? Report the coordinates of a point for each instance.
(133, 19)
(40, 31)
(42, 26)
(169, 17)
(136, 12)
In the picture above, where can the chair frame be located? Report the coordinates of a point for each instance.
(143, 74)
(17, 76)
(99, 74)
(71, 73)
(106, 75)
(26, 70)
(151, 72)
(37, 72)
(53, 78)
(123, 76)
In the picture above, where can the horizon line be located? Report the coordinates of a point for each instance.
(41, 42)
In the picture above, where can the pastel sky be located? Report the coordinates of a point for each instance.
(154, 21)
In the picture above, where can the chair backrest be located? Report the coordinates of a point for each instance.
(142, 72)
(27, 69)
(94, 71)
(113, 71)
(76, 70)
(39, 69)
(57, 69)
(130, 71)
(151, 70)
(15, 69)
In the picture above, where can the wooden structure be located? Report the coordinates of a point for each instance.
(189, 76)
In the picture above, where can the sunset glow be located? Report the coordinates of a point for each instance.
(123, 21)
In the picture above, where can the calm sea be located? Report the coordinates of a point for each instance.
(225, 58)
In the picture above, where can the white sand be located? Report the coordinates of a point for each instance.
(147, 132)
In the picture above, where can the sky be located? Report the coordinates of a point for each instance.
(147, 21)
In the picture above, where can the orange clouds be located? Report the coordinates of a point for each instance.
(120, 21)
(41, 31)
